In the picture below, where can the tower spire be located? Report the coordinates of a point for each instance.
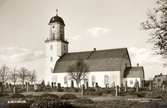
(56, 12)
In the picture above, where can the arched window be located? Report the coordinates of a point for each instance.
(106, 79)
(65, 79)
(131, 82)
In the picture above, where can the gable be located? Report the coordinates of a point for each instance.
(134, 72)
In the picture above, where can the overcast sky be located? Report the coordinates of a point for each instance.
(101, 24)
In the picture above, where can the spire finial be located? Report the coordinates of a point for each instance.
(56, 12)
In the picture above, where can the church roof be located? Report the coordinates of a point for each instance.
(97, 60)
(56, 19)
(133, 72)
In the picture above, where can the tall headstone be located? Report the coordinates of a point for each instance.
(125, 86)
(150, 85)
(14, 89)
(137, 86)
(72, 84)
(87, 84)
(27, 86)
(116, 91)
(82, 90)
(163, 87)
(119, 89)
(52, 85)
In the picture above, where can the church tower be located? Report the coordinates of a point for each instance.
(56, 45)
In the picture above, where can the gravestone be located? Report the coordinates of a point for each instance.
(72, 84)
(125, 86)
(116, 91)
(82, 90)
(27, 86)
(14, 89)
(58, 85)
(137, 86)
(1, 86)
(96, 85)
(119, 89)
(163, 87)
(52, 85)
(87, 84)
(150, 85)
(35, 87)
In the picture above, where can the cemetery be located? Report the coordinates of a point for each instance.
(49, 96)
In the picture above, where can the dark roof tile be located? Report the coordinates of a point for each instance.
(100, 60)
(134, 72)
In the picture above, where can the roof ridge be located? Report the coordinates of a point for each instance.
(97, 50)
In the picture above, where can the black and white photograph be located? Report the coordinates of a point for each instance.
(83, 53)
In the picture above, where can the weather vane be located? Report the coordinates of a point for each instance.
(56, 11)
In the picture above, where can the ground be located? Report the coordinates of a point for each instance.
(105, 101)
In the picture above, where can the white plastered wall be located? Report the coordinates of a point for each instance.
(131, 81)
(114, 78)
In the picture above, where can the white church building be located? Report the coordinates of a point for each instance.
(106, 67)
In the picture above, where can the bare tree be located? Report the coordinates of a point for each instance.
(14, 76)
(23, 75)
(78, 71)
(4, 72)
(156, 24)
(32, 77)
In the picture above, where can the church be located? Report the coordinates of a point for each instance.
(111, 67)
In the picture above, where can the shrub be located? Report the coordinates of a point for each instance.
(84, 101)
(18, 105)
(17, 95)
(60, 89)
(71, 89)
(3, 94)
(90, 90)
(49, 96)
(68, 96)
(157, 94)
(95, 93)
(50, 104)
(140, 94)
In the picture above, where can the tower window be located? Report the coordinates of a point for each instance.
(53, 27)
